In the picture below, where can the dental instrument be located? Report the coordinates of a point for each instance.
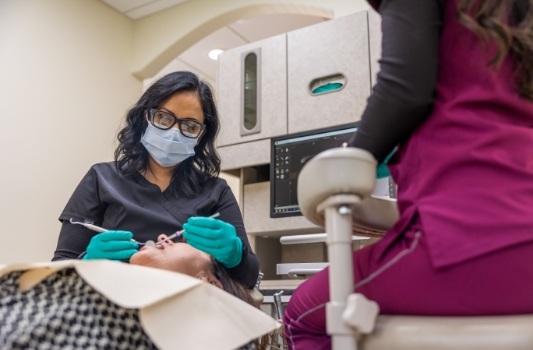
(178, 233)
(149, 243)
(101, 229)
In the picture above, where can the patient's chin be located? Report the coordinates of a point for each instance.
(140, 258)
(134, 260)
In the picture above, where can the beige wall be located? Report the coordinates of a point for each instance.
(65, 85)
(69, 69)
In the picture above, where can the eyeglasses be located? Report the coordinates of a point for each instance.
(164, 120)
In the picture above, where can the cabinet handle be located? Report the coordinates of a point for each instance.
(302, 272)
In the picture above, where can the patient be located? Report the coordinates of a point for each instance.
(183, 258)
(64, 311)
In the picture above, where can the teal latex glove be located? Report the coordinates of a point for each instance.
(112, 245)
(215, 237)
(382, 169)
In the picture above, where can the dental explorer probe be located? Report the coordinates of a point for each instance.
(101, 229)
(178, 233)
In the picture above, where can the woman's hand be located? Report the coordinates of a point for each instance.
(112, 245)
(215, 237)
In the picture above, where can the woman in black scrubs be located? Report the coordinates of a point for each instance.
(164, 178)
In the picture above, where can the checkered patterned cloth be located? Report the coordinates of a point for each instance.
(64, 312)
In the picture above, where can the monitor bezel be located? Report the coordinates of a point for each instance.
(273, 140)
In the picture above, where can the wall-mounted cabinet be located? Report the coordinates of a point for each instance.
(328, 73)
(252, 91)
(306, 79)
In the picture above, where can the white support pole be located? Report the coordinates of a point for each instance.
(338, 221)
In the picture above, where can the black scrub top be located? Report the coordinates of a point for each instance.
(402, 98)
(107, 198)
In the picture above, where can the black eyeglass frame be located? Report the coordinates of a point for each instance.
(177, 120)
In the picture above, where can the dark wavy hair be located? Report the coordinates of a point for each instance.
(508, 23)
(193, 173)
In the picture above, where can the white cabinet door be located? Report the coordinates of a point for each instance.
(323, 53)
(271, 91)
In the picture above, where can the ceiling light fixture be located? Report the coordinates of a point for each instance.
(213, 54)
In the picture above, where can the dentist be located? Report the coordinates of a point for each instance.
(164, 178)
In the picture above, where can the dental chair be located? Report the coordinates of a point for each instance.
(334, 191)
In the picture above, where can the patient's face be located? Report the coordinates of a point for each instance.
(177, 257)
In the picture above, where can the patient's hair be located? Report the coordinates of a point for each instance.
(230, 285)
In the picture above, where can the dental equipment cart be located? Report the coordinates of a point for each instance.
(332, 196)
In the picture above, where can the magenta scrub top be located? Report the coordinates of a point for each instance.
(465, 176)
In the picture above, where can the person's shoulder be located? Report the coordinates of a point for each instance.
(105, 167)
(216, 185)
(223, 188)
(219, 182)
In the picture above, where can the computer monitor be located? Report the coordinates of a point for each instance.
(289, 153)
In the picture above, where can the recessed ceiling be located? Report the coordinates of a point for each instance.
(136, 9)
(236, 34)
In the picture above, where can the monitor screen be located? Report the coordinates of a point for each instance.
(289, 153)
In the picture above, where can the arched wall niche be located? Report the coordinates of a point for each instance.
(159, 39)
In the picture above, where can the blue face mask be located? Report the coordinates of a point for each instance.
(167, 147)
